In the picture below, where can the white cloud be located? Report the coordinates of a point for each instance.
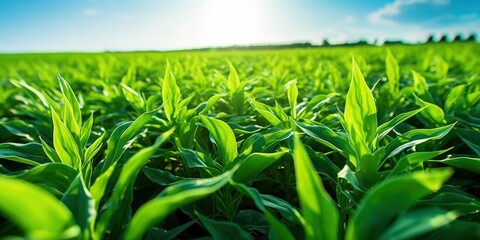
(395, 8)
(90, 11)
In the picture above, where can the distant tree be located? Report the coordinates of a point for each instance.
(430, 39)
(443, 38)
(471, 38)
(325, 42)
(390, 42)
(458, 38)
(362, 42)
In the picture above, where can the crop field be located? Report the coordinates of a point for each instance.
(360, 142)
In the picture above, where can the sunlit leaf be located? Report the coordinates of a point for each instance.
(382, 203)
(318, 209)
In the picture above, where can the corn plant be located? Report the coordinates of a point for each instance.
(278, 144)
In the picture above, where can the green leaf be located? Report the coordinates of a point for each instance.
(454, 199)
(55, 175)
(457, 230)
(93, 149)
(27, 153)
(195, 159)
(453, 98)
(224, 138)
(254, 143)
(45, 218)
(266, 112)
(441, 67)
(466, 163)
(99, 186)
(278, 230)
(262, 201)
(280, 113)
(122, 136)
(32, 92)
(20, 128)
(68, 118)
(327, 137)
(319, 210)
(124, 184)
(471, 138)
(133, 97)
(292, 94)
(170, 234)
(233, 80)
(360, 115)
(415, 158)
(71, 99)
(79, 200)
(64, 143)
(161, 177)
(170, 199)
(382, 203)
(223, 230)
(417, 222)
(254, 164)
(170, 94)
(236, 91)
(85, 131)
(50, 152)
(467, 119)
(393, 72)
(432, 112)
(204, 107)
(387, 127)
(419, 83)
(353, 178)
(290, 213)
(415, 137)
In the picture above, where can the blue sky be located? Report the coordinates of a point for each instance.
(99, 25)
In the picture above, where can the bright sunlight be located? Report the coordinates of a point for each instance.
(238, 21)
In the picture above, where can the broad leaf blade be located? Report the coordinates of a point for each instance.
(170, 94)
(80, 202)
(254, 164)
(121, 196)
(278, 230)
(327, 137)
(387, 127)
(224, 230)
(170, 199)
(28, 153)
(121, 138)
(393, 72)
(64, 143)
(47, 217)
(417, 222)
(415, 137)
(224, 138)
(54, 175)
(467, 163)
(360, 114)
(382, 203)
(71, 98)
(319, 210)
(266, 112)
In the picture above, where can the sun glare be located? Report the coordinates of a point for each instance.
(237, 21)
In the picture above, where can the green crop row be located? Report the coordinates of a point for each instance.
(331, 143)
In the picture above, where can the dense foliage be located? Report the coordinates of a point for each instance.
(329, 143)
